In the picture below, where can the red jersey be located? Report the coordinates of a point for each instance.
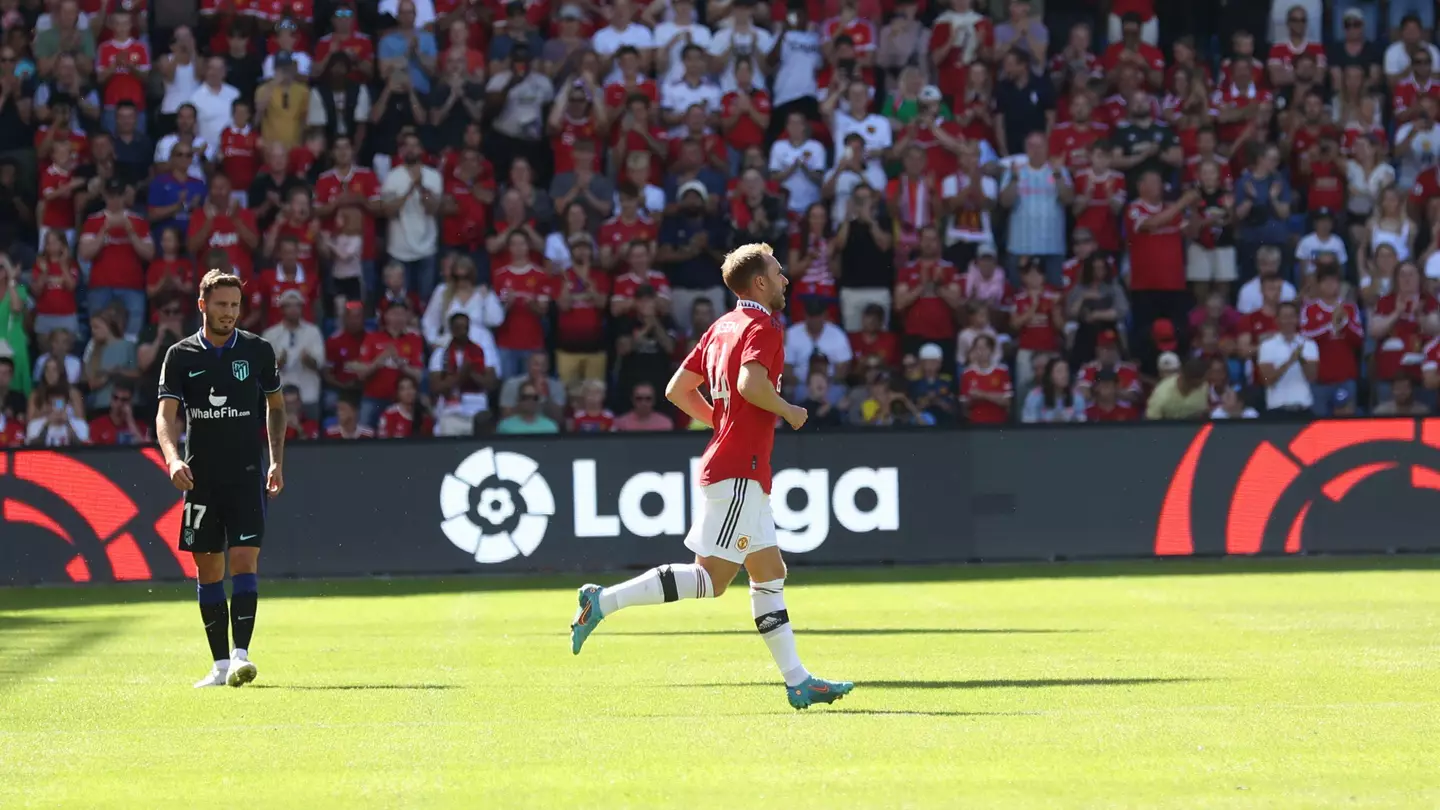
(571, 131)
(628, 283)
(710, 144)
(1354, 132)
(12, 431)
(1149, 55)
(358, 45)
(1127, 378)
(939, 161)
(466, 227)
(341, 349)
(79, 144)
(1038, 333)
(1338, 343)
(585, 422)
(409, 353)
(1284, 54)
(179, 268)
(305, 235)
(1326, 188)
(309, 430)
(1426, 188)
(635, 142)
(583, 324)
(929, 317)
(744, 433)
(360, 181)
(1062, 68)
(51, 296)
(1073, 141)
(265, 293)
(1260, 325)
(994, 380)
(859, 29)
(967, 35)
(1192, 171)
(117, 264)
(617, 233)
(398, 422)
(1121, 411)
(105, 433)
(1230, 97)
(124, 58)
(745, 133)
(1157, 257)
(884, 345)
(517, 286)
(238, 158)
(1099, 192)
(60, 209)
(459, 353)
(617, 92)
(225, 236)
(1405, 336)
(1408, 93)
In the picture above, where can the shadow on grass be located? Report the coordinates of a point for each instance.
(31, 598)
(857, 631)
(1027, 683)
(355, 687)
(30, 644)
(924, 713)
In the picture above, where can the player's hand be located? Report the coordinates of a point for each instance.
(796, 417)
(275, 481)
(180, 476)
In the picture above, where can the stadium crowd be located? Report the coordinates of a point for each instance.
(462, 216)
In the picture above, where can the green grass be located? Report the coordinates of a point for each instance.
(1279, 685)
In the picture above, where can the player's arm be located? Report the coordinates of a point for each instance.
(275, 417)
(683, 391)
(754, 385)
(167, 423)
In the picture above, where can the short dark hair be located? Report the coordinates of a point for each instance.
(7, 360)
(1326, 270)
(351, 398)
(1288, 305)
(219, 278)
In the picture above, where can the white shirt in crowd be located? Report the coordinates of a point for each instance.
(652, 200)
(668, 33)
(523, 115)
(803, 191)
(875, 130)
(201, 146)
(755, 46)
(72, 368)
(608, 40)
(213, 111)
(678, 96)
(290, 346)
(424, 11)
(1363, 190)
(1312, 246)
(1251, 299)
(845, 184)
(1418, 155)
(181, 88)
(800, 61)
(302, 65)
(950, 188)
(57, 435)
(483, 307)
(1397, 57)
(413, 233)
(1292, 390)
(800, 346)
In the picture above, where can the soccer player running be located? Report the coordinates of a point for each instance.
(740, 357)
(220, 375)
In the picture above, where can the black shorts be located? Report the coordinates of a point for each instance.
(220, 516)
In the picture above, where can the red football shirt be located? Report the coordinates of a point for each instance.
(583, 422)
(117, 264)
(60, 209)
(238, 159)
(1120, 412)
(266, 291)
(745, 133)
(358, 45)
(341, 349)
(571, 131)
(180, 269)
(226, 237)
(584, 322)
(1338, 344)
(395, 423)
(1127, 378)
(1157, 258)
(1038, 334)
(929, 317)
(995, 380)
(124, 58)
(360, 180)
(744, 433)
(50, 297)
(617, 233)
(517, 286)
(1099, 192)
(1405, 336)
(409, 352)
(1073, 141)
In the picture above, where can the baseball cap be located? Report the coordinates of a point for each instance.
(931, 351)
(115, 186)
(695, 186)
(1354, 14)
(292, 297)
(930, 94)
(987, 249)
(1341, 397)
(571, 13)
(1163, 333)
(1106, 338)
(1169, 361)
(354, 306)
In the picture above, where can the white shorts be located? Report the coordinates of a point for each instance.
(735, 521)
(1210, 265)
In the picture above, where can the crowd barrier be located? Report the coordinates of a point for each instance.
(603, 502)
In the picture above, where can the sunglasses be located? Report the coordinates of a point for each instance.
(182, 154)
(1354, 24)
(644, 398)
(1298, 20)
(529, 398)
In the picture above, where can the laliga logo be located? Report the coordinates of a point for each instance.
(1277, 486)
(496, 506)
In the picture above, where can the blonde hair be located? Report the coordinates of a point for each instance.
(743, 264)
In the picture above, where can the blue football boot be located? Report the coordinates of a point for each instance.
(587, 617)
(817, 690)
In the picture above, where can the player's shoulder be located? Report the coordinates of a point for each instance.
(249, 341)
(190, 344)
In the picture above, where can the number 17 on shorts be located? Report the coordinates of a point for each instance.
(735, 521)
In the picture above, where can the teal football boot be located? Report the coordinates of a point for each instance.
(817, 690)
(587, 617)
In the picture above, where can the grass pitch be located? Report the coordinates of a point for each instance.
(1290, 684)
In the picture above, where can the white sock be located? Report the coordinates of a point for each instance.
(767, 604)
(668, 583)
(223, 664)
(240, 653)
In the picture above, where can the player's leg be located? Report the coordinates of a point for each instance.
(202, 535)
(245, 522)
(713, 570)
(767, 573)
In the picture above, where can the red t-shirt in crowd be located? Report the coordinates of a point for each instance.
(1338, 346)
(1126, 374)
(225, 236)
(117, 264)
(361, 432)
(994, 380)
(628, 283)
(341, 349)
(585, 422)
(395, 423)
(744, 433)
(517, 285)
(266, 291)
(360, 180)
(124, 58)
(466, 228)
(409, 353)
(929, 317)
(1405, 336)
(239, 155)
(1157, 257)
(571, 132)
(1149, 54)
(584, 322)
(1073, 142)
(1038, 334)
(59, 210)
(105, 433)
(1099, 192)
(1121, 411)
(360, 47)
(617, 233)
(884, 345)
(178, 268)
(50, 297)
(12, 431)
(745, 133)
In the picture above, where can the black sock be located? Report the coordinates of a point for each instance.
(243, 599)
(216, 617)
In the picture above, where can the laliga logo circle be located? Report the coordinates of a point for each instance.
(496, 506)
